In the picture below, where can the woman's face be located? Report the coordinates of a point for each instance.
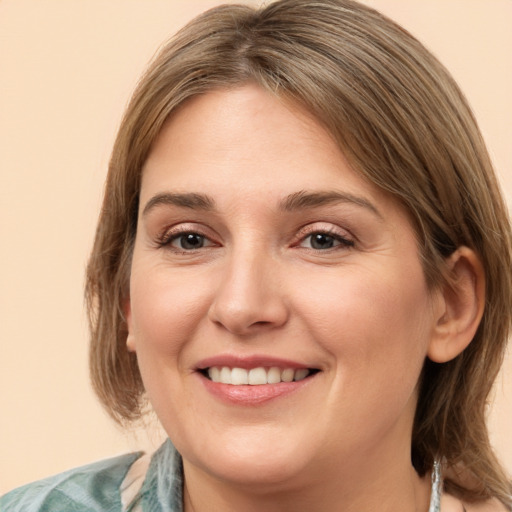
(261, 257)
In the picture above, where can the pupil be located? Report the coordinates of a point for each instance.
(322, 241)
(192, 241)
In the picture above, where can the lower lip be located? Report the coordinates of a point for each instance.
(253, 395)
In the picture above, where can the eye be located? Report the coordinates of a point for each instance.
(188, 241)
(183, 239)
(321, 240)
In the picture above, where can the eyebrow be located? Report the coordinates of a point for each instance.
(297, 201)
(188, 200)
(304, 200)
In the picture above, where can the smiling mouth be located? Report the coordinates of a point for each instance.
(256, 376)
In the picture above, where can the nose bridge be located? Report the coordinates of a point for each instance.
(248, 296)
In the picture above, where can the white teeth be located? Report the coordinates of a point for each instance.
(239, 376)
(301, 374)
(274, 375)
(214, 374)
(225, 375)
(255, 376)
(287, 375)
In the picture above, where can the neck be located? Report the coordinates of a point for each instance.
(365, 485)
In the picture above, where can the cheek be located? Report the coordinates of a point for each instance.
(166, 311)
(166, 308)
(375, 319)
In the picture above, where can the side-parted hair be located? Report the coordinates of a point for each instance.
(403, 124)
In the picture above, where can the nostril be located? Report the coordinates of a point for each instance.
(247, 299)
(246, 321)
(261, 323)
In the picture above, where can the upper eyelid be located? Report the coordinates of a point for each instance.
(170, 232)
(344, 236)
(315, 227)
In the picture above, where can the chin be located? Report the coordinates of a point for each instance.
(255, 460)
(265, 475)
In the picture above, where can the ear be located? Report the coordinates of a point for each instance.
(130, 339)
(463, 301)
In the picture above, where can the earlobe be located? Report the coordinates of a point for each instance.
(130, 342)
(463, 306)
(130, 339)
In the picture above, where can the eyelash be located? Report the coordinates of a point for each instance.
(169, 236)
(310, 231)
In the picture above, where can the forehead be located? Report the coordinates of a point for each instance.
(247, 117)
(250, 142)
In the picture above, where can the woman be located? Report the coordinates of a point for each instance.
(303, 265)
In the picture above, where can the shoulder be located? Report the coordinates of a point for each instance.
(94, 487)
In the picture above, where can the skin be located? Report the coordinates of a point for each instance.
(359, 311)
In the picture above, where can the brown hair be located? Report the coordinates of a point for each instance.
(401, 121)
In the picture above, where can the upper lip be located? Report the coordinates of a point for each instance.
(248, 362)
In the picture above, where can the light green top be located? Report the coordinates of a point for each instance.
(97, 487)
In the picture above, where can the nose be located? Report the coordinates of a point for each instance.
(249, 297)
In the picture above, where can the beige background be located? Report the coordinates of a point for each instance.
(66, 71)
